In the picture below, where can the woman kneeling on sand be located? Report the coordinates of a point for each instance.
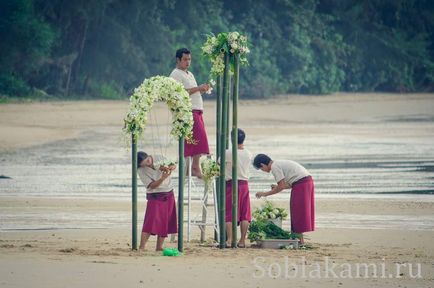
(160, 216)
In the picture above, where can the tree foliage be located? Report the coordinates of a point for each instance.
(105, 48)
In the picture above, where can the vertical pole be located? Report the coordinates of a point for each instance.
(235, 151)
(181, 194)
(219, 113)
(218, 136)
(223, 145)
(228, 113)
(134, 192)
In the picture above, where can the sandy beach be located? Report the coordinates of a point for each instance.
(396, 251)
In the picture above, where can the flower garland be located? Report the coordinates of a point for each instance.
(215, 48)
(159, 88)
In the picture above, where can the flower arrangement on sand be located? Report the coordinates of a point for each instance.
(262, 227)
(269, 212)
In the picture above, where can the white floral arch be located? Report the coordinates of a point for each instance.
(159, 88)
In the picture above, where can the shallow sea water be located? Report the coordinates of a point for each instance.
(380, 159)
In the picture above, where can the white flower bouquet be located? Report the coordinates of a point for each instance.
(210, 169)
(165, 163)
(269, 212)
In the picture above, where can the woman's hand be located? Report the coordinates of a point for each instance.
(166, 173)
(260, 194)
(167, 168)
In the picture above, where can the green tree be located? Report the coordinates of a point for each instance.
(26, 43)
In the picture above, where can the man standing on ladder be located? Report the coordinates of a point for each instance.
(181, 74)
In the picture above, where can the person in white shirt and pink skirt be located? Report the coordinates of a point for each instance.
(290, 174)
(160, 215)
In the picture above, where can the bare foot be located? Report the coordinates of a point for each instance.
(241, 245)
(196, 173)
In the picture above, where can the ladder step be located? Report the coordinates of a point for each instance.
(207, 205)
(202, 224)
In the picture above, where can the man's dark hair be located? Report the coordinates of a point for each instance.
(140, 157)
(181, 51)
(261, 159)
(241, 136)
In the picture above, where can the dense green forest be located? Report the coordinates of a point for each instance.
(105, 48)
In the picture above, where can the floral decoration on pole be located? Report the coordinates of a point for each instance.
(210, 170)
(228, 42)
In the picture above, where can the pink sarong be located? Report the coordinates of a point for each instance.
(301, 205)
(243, 201)
(160, 215)
(199, 135)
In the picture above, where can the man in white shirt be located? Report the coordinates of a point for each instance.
(183, 75)
(244, 158)
(290, 174)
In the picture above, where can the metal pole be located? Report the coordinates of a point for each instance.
(181, 195)
(222, 151)
(134, 191)
(235, 151)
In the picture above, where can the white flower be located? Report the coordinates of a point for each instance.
(165, 163)
(268, 211)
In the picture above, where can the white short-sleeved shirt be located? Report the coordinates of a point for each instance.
(187, 79)
(148, 175)
(289, 170)
(244, 159)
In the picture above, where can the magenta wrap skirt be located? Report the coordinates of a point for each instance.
(160, 215)
(301, 206)
(199, 136)
(243, 201)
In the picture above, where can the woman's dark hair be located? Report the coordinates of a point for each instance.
(181, 51)
(261, 159)
(140, 157)
(241, 136)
